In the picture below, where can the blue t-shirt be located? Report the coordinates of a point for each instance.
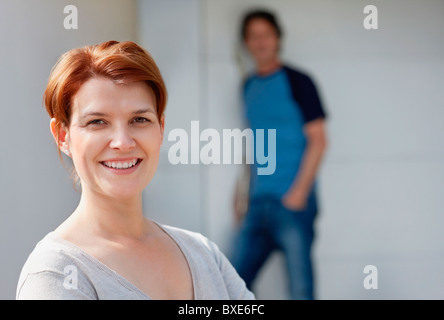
(284, 100)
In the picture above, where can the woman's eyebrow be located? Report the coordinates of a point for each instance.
(140, 111)
(92, 113)
(101, 114)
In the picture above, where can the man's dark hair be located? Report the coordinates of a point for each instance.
(260, 14)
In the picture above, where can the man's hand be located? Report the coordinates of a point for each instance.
(295, 199)
(296, 196)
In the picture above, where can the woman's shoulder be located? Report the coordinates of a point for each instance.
(48, 270)
(51, 254)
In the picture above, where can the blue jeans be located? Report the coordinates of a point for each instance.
(268, 226)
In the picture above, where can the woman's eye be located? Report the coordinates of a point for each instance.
(96, 122)
(140, 120)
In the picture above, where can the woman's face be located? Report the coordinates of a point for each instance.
(114, 137)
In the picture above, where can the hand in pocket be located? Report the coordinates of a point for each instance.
(295, 201)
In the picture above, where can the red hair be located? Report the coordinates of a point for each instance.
(121, 62)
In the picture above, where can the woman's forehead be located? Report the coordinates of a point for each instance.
(105, 96)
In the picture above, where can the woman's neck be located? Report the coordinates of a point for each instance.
(109, 217)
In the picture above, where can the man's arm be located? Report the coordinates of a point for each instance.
(296, 196)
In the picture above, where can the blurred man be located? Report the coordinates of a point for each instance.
(282, 206)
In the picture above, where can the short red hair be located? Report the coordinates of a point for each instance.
(121, 62)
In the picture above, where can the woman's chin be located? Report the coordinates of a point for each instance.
(122, 192)
(122, 189)
(123, 195)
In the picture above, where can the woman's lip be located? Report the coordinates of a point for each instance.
(121, 159)
(122, 171)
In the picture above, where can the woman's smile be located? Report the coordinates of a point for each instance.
(122, 166)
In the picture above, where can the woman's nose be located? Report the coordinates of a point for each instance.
(122, 139)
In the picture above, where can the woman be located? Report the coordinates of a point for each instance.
(106, 104)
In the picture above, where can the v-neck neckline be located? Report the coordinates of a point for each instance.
(121, 279)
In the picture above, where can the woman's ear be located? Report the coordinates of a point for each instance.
(162, 128)
(61, 136)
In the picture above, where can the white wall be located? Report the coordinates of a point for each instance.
(35, 191)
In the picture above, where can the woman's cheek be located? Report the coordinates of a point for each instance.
(152, 140)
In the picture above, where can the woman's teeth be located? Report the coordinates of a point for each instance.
(120, 164)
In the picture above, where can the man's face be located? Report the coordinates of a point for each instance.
(262, 40)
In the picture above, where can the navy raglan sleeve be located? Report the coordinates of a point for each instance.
(305, 93)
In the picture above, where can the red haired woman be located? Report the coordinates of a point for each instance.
(106, 104)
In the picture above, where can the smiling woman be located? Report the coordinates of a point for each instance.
(106, 104)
